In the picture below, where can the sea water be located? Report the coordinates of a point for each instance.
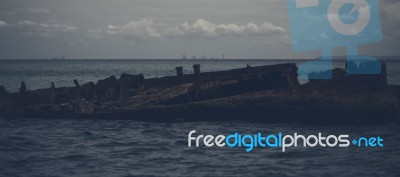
(73, 147)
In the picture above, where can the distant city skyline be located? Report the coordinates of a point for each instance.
(202, 56)
(163, 29)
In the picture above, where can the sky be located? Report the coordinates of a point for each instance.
(157, 29)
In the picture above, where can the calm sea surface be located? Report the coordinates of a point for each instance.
(45, 147)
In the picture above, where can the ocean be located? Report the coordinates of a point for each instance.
(75, 147)
(40, 73)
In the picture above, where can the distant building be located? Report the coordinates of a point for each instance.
(62, 57)
(204, 56)
(184, 57)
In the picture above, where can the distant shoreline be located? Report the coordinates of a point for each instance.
(385, 58)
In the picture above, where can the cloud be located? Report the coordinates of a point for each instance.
(32, 10)
(2, 23)
(203, 27)
(142, 29)
(148, 29)
(393, 10)
(43, 29)
(391, 22)
(46, 27)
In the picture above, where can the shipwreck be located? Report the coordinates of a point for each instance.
(262, 93)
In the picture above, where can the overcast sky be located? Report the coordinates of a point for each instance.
(162, 29)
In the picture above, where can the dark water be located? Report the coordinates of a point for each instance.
(46, 147)
(130, 148)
